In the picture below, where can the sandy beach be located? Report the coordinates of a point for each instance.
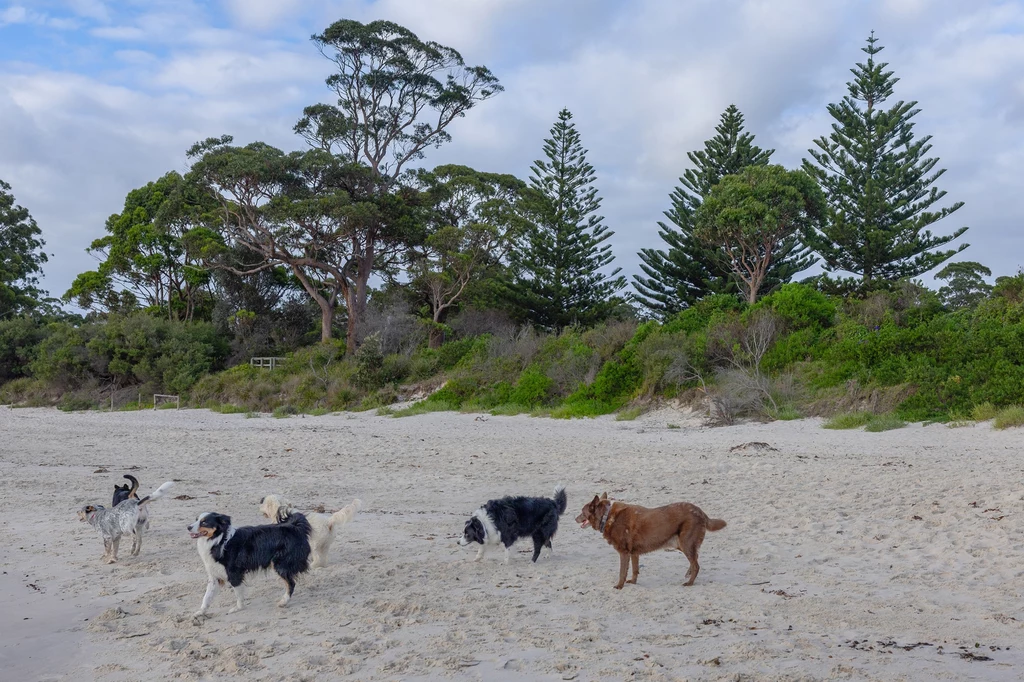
(848, 555)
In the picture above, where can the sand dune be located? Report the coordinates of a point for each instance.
(848, 555)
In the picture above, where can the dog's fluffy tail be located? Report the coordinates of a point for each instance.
(715, 524)
(158, 493)
(343, 516)
(299, 521)
(561, 501)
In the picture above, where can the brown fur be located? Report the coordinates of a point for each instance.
(634, 530)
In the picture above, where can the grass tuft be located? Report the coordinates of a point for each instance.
(850, 420)
(630, 413)
(884, 422)
(1009, 416)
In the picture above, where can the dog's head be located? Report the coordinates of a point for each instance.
(275, 508)
(88, 511)
(591, 514)
(474, 532)
(209, 525)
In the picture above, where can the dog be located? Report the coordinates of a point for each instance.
(120, 520)
(230, 554)
(278, 509)
(634, 530)
(122, 493)
(506, 520)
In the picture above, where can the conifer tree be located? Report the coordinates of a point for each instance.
(559, 281)
(689, 269)
(878, 184)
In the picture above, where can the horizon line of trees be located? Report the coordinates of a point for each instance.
(251, 234)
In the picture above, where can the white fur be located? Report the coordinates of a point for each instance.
(215, 572)
(492, 536)
(276, 508)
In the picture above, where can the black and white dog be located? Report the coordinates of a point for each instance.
(502, 522)
(230, 554)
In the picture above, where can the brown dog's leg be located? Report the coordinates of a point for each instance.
(636, 568)
(623, 567)
(689, 545)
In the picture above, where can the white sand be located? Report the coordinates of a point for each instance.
(823, 572)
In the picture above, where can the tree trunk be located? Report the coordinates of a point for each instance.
(326, 320)
(357, 298)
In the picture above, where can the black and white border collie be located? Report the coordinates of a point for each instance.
(230, 554)
(502, 522)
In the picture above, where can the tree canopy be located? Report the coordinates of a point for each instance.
(21, 257)
(878, 183)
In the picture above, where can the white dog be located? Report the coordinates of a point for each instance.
(277, 509)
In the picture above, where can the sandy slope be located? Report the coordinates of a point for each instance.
(844, 549)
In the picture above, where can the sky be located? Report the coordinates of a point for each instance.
(98, 97)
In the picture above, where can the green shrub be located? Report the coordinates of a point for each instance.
(532, 389)
(800, 306)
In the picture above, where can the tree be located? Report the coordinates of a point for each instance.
(397, 96)
(756, 214)
(966, 285)
(878, 183)
(284, 208)
(689, 269)
(146, 252)
(559, 280)
(474, 224)
(21, 257)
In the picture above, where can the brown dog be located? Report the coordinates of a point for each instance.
(634, 530)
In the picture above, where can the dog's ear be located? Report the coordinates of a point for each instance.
(594, 502)
(604, 496)
(263, 499)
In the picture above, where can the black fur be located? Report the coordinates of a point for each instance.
(285, 546)
(520, 517)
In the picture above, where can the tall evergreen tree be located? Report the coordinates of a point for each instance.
(878, 184)
(690, 269)
(559, 280)
(21, 257)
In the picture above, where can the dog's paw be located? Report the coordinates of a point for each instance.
(282, 603)
(617, 587)
(109, 560)
(235, 609)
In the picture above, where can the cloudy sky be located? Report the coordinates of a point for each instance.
(98, 97)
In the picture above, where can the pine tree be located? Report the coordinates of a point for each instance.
(878, 184)
(689, 269)
(559, 280)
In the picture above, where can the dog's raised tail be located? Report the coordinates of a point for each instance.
(716, 524)
(561, 501)
(134, 492)
(158, 493)
(344, 515)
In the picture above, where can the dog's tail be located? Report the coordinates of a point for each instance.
(561, 501)
(157, 494)
(343, 516)
(135, 487)
(299, 522)
(715, 524)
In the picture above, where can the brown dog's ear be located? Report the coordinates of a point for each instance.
(604, 496)
(594, 502)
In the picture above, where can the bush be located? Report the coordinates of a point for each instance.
(983, 412)
(532, 389)
(800, 306)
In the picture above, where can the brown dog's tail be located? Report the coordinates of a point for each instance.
(133, 493)
(715, 524)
